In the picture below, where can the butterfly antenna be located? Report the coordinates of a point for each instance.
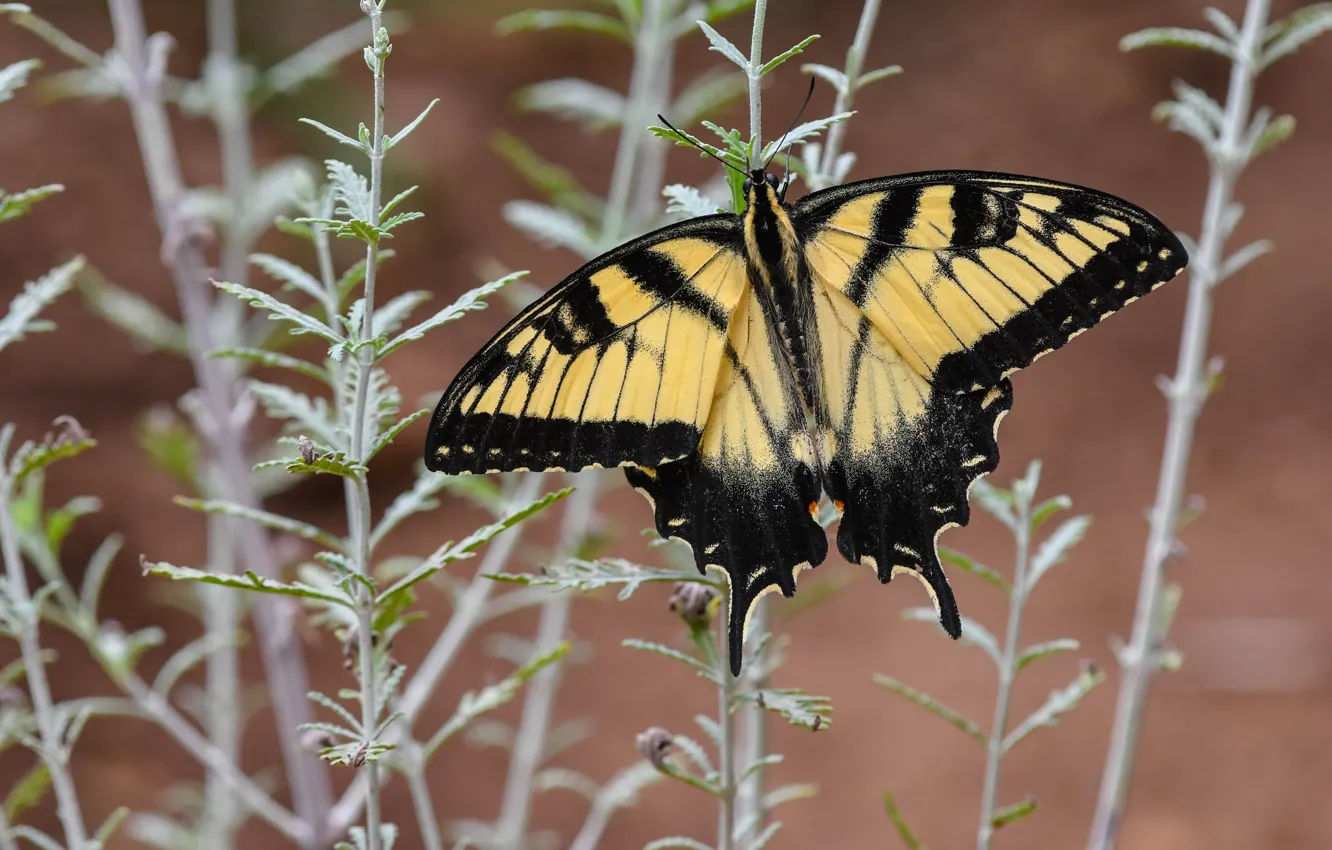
(777, 149)
(696, 144)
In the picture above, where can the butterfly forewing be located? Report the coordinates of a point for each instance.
(617, 365)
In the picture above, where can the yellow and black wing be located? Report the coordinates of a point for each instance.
(747, 500)
(930, 289)
(615, 366)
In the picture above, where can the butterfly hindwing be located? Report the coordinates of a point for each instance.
(747, 501)
(971, 276)
(617, 365)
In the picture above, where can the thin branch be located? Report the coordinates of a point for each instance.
(755, 73)
(143, 63)
(1187, 393)
(53, 751)
(855, 64)
(726, 746)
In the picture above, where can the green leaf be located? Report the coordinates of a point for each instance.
(558, 184)
(36, 296)
(290, 275)
(967, 564)
(707, 95)
(249, 581)
(799, 708)
(1273, 133)
(995, 502)
(1013, 813)
(1178, 37)
(723, 46)
(32, 456)
(832, 76)
(332, 463)
(596, 107)
(1038, 651)
(276, 522)
(877, 74)
(1047, 509)
(933, 706)
(787, 54)
(472, 300)
(807, 130)
(551, 227)
(391, 316)
(336, 135)
(19, 204)
(309, 414)
(393, 222)
(13, 78)
(473, 704)
(686, 202)
(540, 19)
(899, 823)
(275, 360)
(701, 667)
(351, 190)
(397, 137)
(148, 326)
(354, 276)
(1056, 548)
(280, 311)
(27, 792)
(1297, 30)
(392, 433)
(334, 706)
(1059, 703)
(593, 575)
(419, 499)
(676, 842)
(451, 552)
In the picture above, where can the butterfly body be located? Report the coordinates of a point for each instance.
(855, 343)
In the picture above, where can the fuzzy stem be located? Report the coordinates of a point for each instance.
(529, 747)
(1007, 675)
(726, 723)
(1188, 390)
(855, 63)
(7, 842)
(414, 770)
(359, 522)
(756, 84)
(53, 751)
(466, 616)
(284, 666)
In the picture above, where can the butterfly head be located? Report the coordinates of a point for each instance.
(760, 183)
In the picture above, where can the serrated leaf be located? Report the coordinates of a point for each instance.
(807, 130)
(391, 316)
(1059, 703)
(307, 414)
(27, 792)
(475, 703)
(280, 311)
(832, 76)
(416, 500)
(995, 502)
(706, 95)
(351, 191)
(606, 572)
(1178, 37)
(274, 521)
(19, 204)
(557, 183)
(471, 300)
(968, 564)
(1297, 30)
(933, 706)
(1055, 548)
(395, 221)
(249, 581)
(451, 552)
(392, 433)
(332, 463)
(596, 107)
(723, 46)
(701, 667)
(1047, 509)
(973, 633)
(1035, 652)
(32, 456)
(275, 360)
(686, 202)
(807, 711)
(786, 54)
(552, 227)
(540, 19)
(290, 275)
(36, 296)
(904, 831)
(133, 314)
(1013, 813)
(14, 77)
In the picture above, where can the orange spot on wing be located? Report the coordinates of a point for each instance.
(840, 505)
(814, 509)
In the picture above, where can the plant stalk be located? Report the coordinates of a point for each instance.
(1188, 390)
(53, 751)
(756, 84)
(143, 62)
(1007, 675)
(855, 64)
(425, 809)
(726, 723)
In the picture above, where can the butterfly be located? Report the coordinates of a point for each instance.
(856, 342)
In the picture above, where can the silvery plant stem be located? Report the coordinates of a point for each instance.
(855, 65)
(142, 62)
(1140, 658)
(53, 751)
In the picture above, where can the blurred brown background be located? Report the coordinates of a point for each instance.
(1237, 748)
